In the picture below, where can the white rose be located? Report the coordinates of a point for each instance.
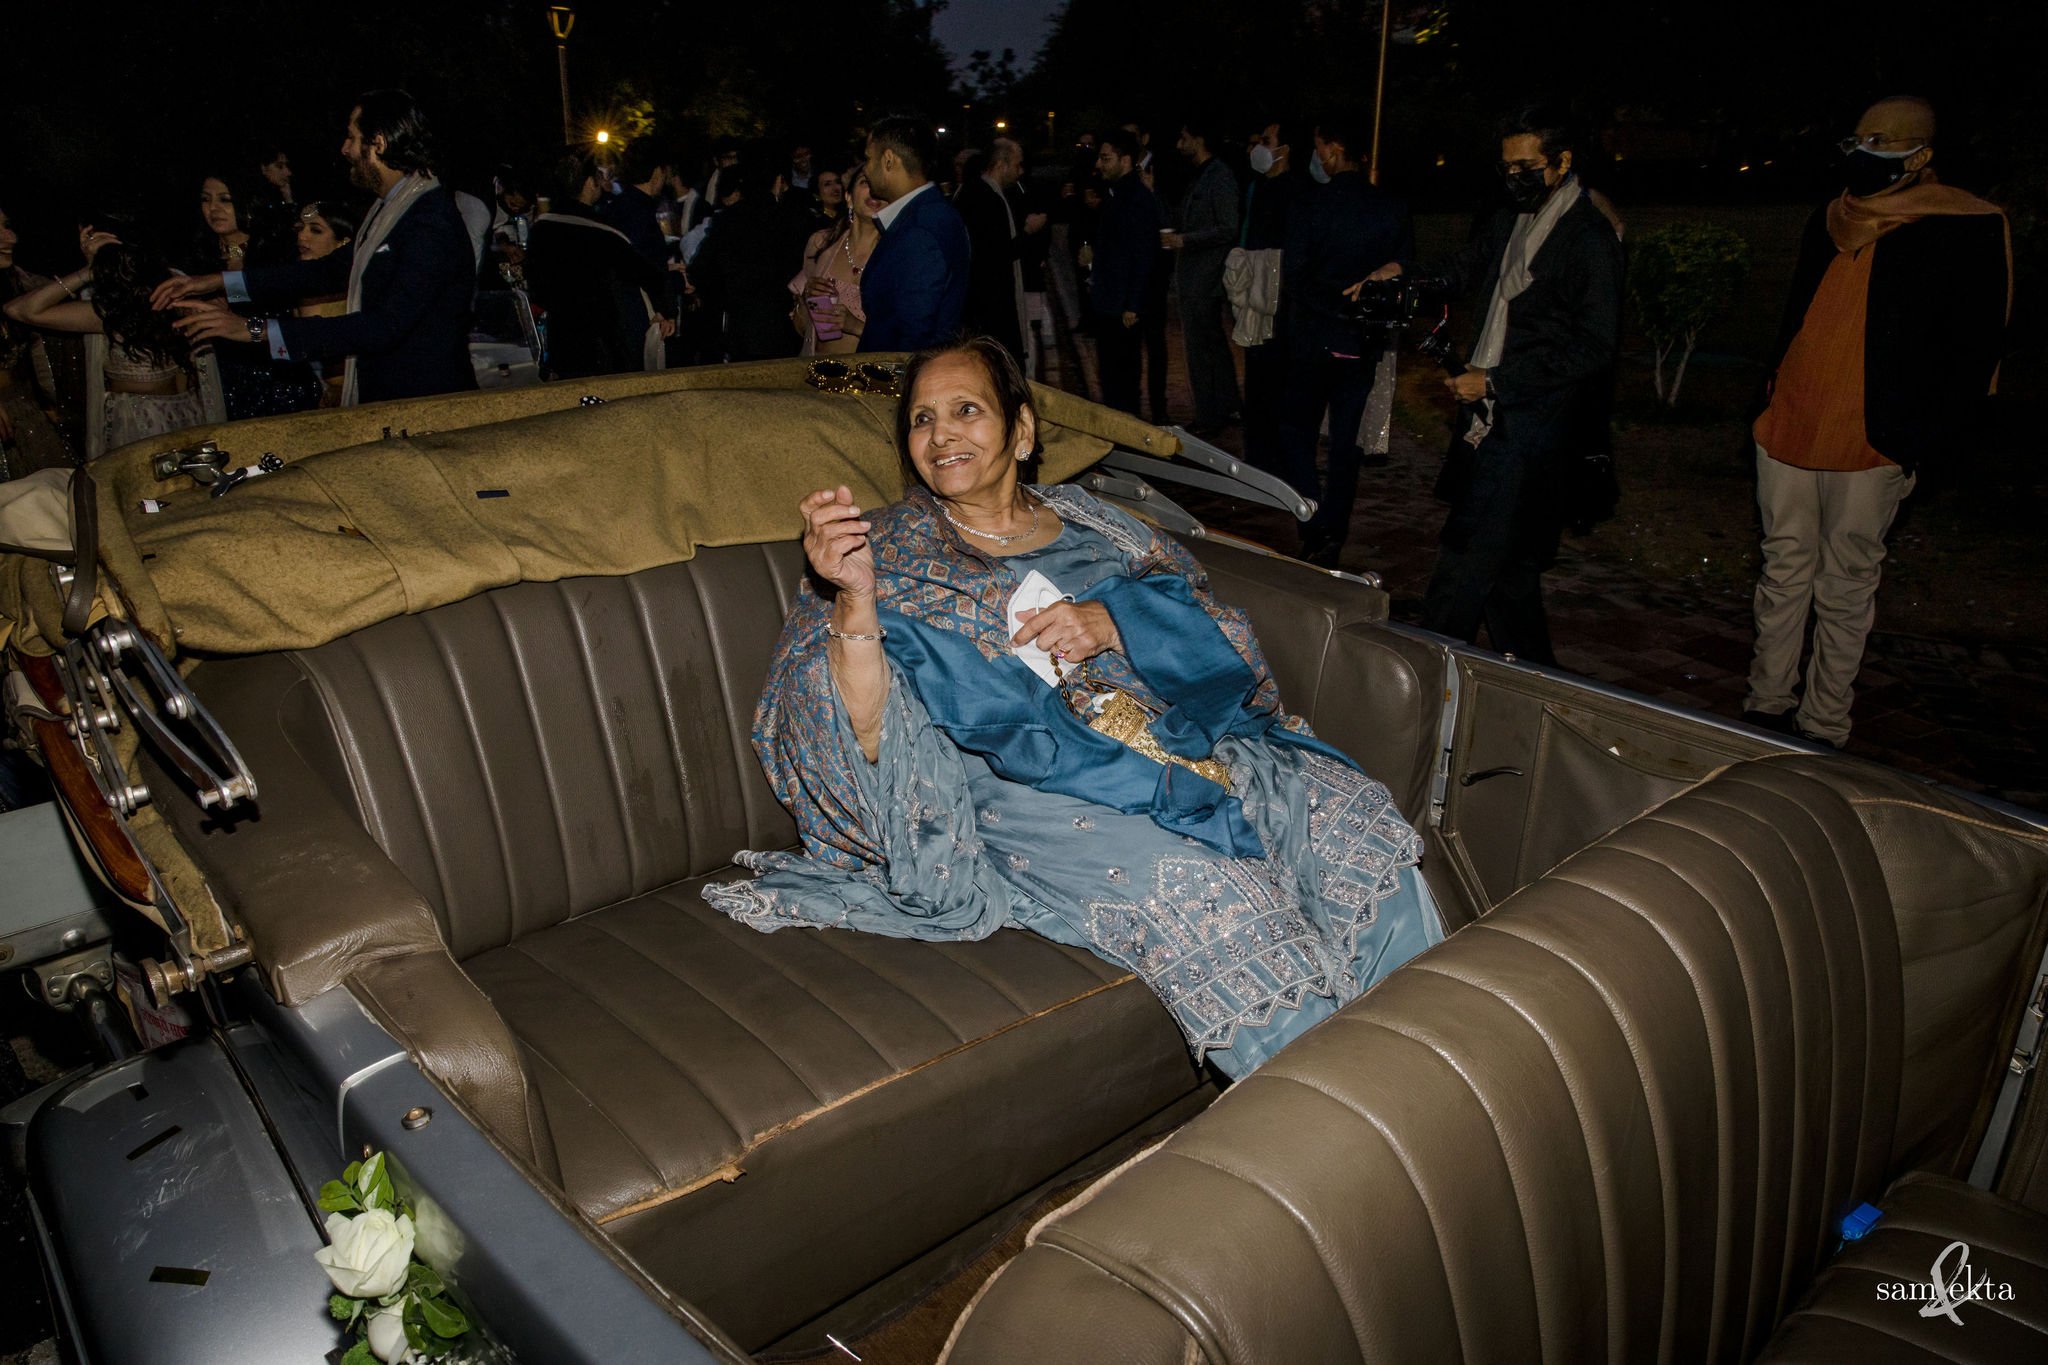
(387, 1337)
(368, 1253)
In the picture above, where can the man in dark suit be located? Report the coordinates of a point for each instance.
(1548, 273)
(742, 272)
(1121, 277)
(1208, 230)
(997, 232)
(633, 206)
(915, 286)
(1335, 235)
(409, 275)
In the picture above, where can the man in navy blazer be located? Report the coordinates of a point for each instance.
(915, 286)
(407, 334)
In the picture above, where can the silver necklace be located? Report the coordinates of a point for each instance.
(991, 535)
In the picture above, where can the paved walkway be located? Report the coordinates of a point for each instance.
(1967, 714)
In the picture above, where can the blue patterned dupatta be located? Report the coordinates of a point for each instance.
(991, 804)
(945, 603)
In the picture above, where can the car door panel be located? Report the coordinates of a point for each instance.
(1542, 765)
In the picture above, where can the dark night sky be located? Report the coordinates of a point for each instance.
(994, 24)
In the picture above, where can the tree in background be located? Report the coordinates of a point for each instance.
(1680, 278)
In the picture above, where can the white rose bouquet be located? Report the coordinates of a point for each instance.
(397, 1305)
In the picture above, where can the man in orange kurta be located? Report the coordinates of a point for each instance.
(1892, 338)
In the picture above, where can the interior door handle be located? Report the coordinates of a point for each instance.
(1468, 779)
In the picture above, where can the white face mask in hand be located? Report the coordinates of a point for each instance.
(1262, 160)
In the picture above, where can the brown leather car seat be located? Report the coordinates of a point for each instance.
(539, 778)
(1618, 1119)
(532, 784)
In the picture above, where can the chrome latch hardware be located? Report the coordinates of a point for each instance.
(204, 462)
(116, 670)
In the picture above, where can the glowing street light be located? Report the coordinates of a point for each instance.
(603, 137)
(1002, 125)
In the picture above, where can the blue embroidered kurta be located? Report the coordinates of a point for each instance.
(1252, 915)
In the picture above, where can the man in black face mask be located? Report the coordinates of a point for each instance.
(1891, 339)
(1548, 272)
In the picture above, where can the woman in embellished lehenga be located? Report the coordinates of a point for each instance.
(1020, 707)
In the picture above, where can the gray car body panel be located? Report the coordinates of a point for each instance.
(156, 1172)
(207, 1156)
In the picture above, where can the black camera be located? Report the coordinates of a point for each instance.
(1397, 301)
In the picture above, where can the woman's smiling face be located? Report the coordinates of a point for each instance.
(957, 441)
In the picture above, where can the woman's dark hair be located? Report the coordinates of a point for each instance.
(122, 278)
(843, 224)
(205, 255)
(266, 152)
(338, 214)
(392, 115)
(1005, 380)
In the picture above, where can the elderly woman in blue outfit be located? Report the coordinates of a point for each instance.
(1017, 707)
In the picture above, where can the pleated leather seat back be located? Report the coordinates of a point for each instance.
(545, 749)
(1619, 1119)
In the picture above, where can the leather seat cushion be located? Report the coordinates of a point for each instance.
(1859, 1313)
(1374, 692)
(770, 1122)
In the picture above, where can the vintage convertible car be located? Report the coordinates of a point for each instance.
(410, 732)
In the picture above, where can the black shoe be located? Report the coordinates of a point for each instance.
(1811, 738)
(1779, 722)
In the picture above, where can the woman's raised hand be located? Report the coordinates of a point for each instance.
(836, 541)
(1070, 631)
(91, 239)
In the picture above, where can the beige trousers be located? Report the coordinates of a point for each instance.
(1823, 543)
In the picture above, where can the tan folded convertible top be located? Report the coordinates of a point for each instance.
(397, 507)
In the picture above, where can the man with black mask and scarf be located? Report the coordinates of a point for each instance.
(1548, 273)
(1891, 340)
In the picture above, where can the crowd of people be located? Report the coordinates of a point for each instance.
(639, 257)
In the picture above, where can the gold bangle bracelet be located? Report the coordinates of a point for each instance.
(881, 634)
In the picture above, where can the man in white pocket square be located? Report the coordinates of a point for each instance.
(409, 275)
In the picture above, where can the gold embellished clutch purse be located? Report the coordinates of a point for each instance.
(1128, 721)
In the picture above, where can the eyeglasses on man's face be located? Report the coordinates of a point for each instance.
(1873, 142)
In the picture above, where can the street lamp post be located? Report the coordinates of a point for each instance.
(1379, 91)
(562, 18)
